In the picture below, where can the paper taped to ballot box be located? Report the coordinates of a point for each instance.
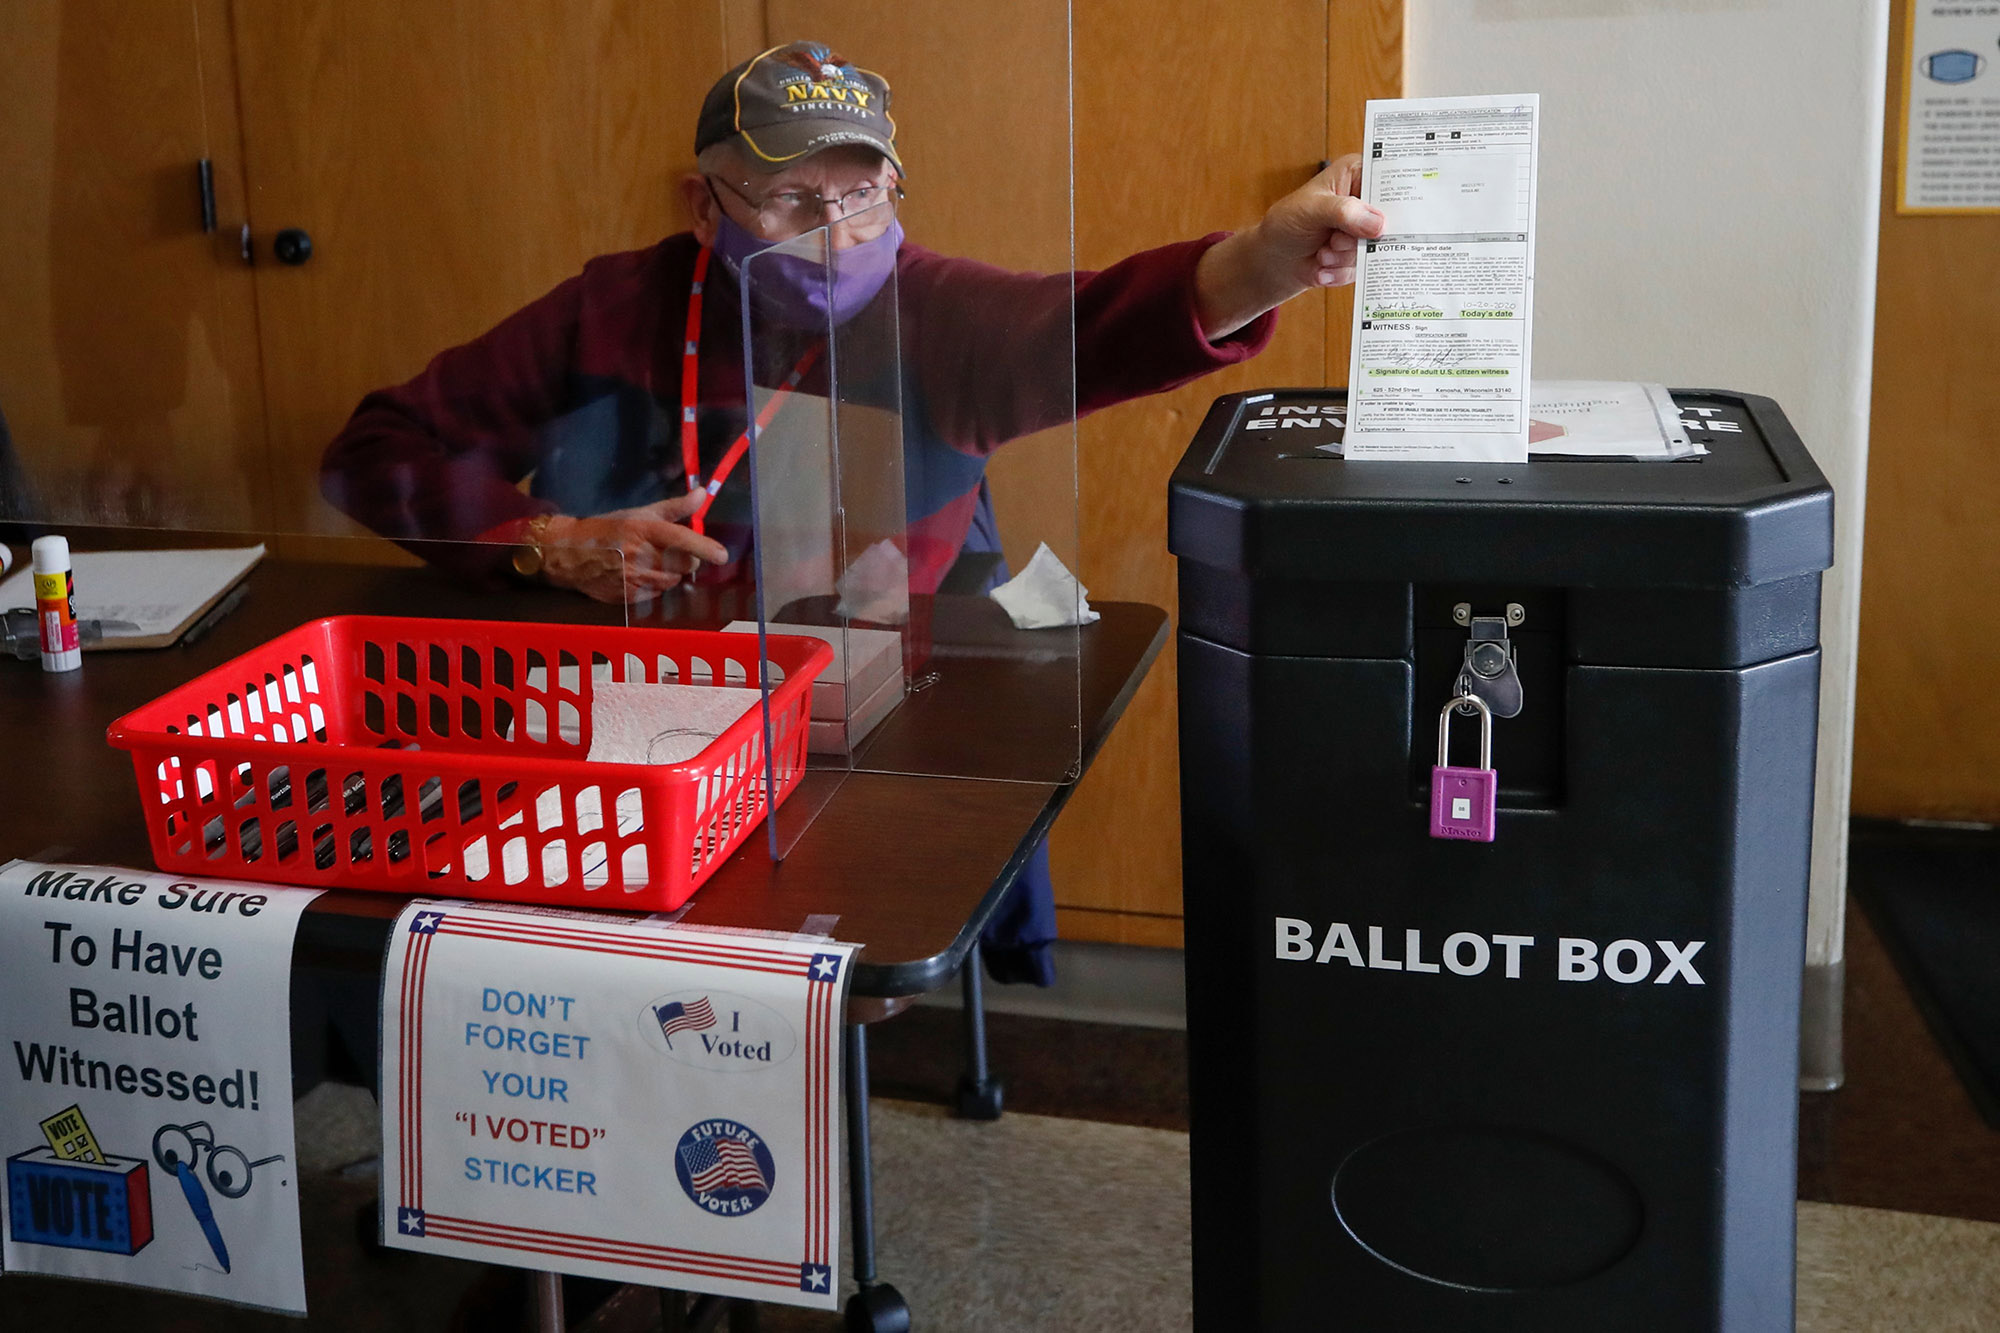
(1566, 419)
(147, 1103)
(629, 1100)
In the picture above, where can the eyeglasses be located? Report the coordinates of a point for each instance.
(866, 211)
(228, 1168)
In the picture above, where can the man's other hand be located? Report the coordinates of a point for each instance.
(1304, 241)
(628, 554)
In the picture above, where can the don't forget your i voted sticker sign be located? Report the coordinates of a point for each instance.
(621, 1099)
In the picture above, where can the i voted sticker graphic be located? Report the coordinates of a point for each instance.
(718, 1030)
(1953, 66)
(724, 1167)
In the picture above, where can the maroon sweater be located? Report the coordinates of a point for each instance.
(579, 392)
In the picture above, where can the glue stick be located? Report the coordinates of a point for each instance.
(55, 605)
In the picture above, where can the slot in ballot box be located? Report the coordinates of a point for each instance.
(1547, 1081)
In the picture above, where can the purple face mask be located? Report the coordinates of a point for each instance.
(793, 289)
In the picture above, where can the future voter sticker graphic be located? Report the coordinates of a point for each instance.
(725, 1168)
(714, 1029)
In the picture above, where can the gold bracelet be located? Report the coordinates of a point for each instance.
(528, 555)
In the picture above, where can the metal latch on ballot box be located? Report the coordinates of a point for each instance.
(1489, 673)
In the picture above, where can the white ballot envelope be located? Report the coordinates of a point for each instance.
(1444, 300)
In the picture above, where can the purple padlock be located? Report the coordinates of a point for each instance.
(1462, 799)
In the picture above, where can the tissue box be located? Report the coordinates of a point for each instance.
(852, 696)
(838, 735)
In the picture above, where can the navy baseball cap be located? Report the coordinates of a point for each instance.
(793, 101)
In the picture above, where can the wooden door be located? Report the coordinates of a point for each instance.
(128, 358)
(451, 160)
(1926, 728)
(1190, 118)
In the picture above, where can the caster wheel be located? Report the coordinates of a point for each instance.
(979, 1101)
(877, 1309)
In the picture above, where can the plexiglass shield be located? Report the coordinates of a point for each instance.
(268, 285)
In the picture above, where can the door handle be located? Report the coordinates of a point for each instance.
(292, 246)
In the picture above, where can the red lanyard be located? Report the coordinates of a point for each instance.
(690, 388)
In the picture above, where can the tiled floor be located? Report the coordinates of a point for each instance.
(1902, 1134)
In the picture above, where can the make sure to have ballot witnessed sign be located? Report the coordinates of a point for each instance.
(147, 1100)
(621, 1099)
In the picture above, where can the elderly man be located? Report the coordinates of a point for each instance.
(619, 396)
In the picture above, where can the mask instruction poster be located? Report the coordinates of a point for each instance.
(146, 1105)
(1951, 107)
(621, 1099)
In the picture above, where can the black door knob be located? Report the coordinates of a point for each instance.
(292, 246)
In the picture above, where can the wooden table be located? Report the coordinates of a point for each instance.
(911, 862)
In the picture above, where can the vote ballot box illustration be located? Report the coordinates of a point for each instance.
(79, 1205)
(1546, 1080)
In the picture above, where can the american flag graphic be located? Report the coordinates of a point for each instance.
(678, 1017)
(720, 1164)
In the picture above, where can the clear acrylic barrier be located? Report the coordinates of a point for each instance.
(799, 556)
(868, 474)
(263, 286)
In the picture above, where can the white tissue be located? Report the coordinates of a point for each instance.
(1045, 595)
(876, 587)
(640, 723)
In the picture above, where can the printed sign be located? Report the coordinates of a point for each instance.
(630, 1100)
(146, 1115)
(1951, 107)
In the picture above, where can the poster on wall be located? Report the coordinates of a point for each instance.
(1951, 107)
(621, 1099)
(146, 1105)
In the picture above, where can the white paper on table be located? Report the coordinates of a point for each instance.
(620, 1099)
(1444, 299)
(631, 722)
(1045, 595)
(638, 722)
(155, 593)
(876, 587)
(171, 998)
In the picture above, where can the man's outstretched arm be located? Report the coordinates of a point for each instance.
(1304, 241)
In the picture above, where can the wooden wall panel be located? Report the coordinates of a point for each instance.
(982, 108)
(1189, 119)
(452, 161)
(1926, 728)
(128, 358)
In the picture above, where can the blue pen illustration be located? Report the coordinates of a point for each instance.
(177, 1149)
(197, 1198)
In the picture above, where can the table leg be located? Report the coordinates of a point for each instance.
(979, 1093)
(877, 1307)
(705, 1313)
(548, 1302)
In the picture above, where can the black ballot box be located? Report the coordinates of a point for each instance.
(1546, 1082)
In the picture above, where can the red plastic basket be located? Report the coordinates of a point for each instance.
(417, 755)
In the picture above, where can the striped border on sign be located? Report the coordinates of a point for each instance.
(822, 1020)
